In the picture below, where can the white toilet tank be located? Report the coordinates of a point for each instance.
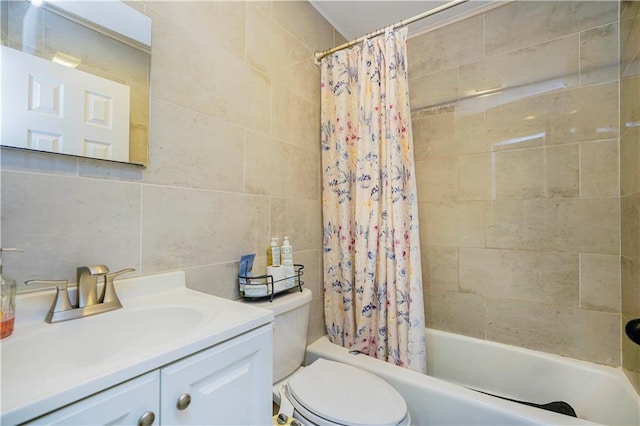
(291, 311)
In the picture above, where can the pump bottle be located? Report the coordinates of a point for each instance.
(8, 297)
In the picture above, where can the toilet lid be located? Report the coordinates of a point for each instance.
(347, 395)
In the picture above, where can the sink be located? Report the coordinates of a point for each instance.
(97, 339)
(45, 366)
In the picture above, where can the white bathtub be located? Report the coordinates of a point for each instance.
(598, 394)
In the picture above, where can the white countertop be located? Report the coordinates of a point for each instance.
(45, 366)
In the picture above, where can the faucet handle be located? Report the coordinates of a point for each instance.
(60, 301)
(109, 291)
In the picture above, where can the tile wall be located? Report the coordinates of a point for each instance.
(234, 158)
(516, 133)
(630, 179)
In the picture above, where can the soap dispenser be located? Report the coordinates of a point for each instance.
(8, 294)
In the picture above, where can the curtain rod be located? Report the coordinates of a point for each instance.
(321, 54)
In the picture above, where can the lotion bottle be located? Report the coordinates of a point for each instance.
(287, 262)
(273, 253)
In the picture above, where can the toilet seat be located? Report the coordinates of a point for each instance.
(329, 392)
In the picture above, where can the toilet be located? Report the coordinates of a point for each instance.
(324, 392)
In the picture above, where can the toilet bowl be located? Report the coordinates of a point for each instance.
(324, 392)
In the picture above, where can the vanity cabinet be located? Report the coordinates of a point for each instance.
(122, 404)
(229, 383)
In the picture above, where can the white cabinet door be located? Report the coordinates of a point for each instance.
(227, 384)
(50, 107)
(123, 404)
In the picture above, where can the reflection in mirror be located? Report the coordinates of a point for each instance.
(71, 86)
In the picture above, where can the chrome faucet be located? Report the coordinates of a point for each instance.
(87, 300)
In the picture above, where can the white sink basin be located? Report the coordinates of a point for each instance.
(71, 344)
(45, 366)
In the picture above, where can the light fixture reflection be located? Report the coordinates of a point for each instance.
(66, 60)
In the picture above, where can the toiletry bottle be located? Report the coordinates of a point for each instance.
(287, 262)
(8, 295)
(273, 253)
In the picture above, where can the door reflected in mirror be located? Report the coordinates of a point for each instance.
(72, 87)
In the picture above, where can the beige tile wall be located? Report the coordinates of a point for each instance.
(516, 133)
(234, 158)
(630, 179)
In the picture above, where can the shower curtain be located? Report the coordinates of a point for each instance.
(371, 251)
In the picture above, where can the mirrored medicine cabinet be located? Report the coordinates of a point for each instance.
(75, 79)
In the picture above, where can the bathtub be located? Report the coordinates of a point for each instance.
(457, 364)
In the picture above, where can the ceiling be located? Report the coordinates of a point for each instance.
(355, 18)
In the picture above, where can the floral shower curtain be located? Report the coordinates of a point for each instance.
(372, 274)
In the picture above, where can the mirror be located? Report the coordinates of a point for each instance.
(75, 78)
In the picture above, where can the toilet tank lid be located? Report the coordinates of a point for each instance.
(349, 395)
(282, 302)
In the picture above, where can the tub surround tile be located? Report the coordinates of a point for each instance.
(475, 177)
(519, 174)
(587, 335)
(629, 106)
(517, 25)
(471, 220)
(599, 168)
(630, 162)
(438, 224)
(629, 39)
(562, 171)
(599, 55)
(452, 224)
(446, 47)
(631, 359)
(600, 282)
(515, 224)
(433, 133)
(548, 66)
(437, 179)
(439, 268)
(433, 89)
(543, 277)
(630, 280)
(577, 115)
(470, 133)
(567, 225)
(630, 222)
(75, 218)
(455, 312)
(531, 215)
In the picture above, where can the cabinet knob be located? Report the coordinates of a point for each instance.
(147, 419)
(183, 401)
